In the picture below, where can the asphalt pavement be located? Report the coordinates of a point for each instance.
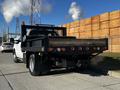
(16, 77)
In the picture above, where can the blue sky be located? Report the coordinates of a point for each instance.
(59, 13)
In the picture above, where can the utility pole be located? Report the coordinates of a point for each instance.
(35, 12)
(8, 33)
(17, 26)
(31, 14)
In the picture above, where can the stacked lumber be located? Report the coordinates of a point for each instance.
(106, 25)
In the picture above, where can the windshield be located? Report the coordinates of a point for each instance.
(43, 32)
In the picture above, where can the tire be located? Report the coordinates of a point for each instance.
(34, 65)
(15, 59)
(84, 65)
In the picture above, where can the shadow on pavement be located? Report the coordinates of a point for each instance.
(99, 66)
(63, 72)
(103, 64)
(58, 72)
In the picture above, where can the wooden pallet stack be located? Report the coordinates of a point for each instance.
(106, 25)
(85, 29)
(96, 26)
(115, 31)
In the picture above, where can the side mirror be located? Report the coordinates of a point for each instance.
(16, 41)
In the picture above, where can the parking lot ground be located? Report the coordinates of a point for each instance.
(52, 82)
(16, 77)
(0, 74)
(4, 84)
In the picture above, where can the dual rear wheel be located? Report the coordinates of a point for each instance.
(37, 66)
(33, 65)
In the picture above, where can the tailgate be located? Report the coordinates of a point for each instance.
(62, 42)
(78, 45)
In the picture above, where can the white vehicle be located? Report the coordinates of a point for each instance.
(6, 46)
(17, 53)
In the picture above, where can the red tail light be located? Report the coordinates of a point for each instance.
(63, 49)
(50, 49)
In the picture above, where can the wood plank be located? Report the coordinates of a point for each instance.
(96, 34)
(115, 32)
(95, 26)
(96, 19)
(88, 27)
(104, 33)
(88, 21)
(104, 25)
(114, 23)
(104, 17)
(114, 15)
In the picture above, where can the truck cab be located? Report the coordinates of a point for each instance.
(17, 51)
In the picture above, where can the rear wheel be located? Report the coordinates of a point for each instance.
(38, 65)
(33, 65)
(83, 65)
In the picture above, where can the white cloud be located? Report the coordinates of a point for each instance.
(75, 11)
(15, 8)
